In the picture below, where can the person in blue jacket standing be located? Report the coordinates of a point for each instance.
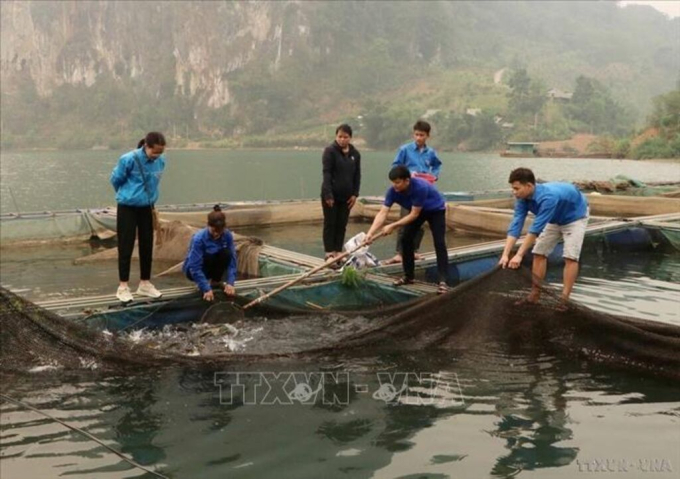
(422, 162)
(212, 256)
(135, 179)
(561, 213)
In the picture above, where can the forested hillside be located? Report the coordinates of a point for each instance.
(84, 74)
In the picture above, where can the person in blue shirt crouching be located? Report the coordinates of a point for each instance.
(424, 203)
(212, 254)
(561, 213)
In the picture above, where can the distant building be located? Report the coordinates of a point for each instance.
(503, 124)
(429, 113)
(520, 149)
(559, 95)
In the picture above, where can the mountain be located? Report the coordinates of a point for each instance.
(78, 74)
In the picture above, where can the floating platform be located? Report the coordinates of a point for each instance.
(324, 290)
(617, 222)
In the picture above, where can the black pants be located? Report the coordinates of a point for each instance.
(214, 266)
(131, 221)
(334, 225)
(400, 235)
(437, 222)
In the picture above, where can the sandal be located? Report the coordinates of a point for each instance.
(334, 265)
(402, 281)
(443, 288)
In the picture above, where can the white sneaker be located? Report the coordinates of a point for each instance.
(123, 294)
(148, 289)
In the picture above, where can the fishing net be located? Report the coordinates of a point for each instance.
(492, 308)
(478, 312)
(33, 339)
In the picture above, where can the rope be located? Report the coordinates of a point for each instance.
(84, 433)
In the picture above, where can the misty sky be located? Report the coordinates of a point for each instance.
(669, 7)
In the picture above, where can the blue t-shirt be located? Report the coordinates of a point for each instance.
(423, 160)
(558, 203)
(420, 193)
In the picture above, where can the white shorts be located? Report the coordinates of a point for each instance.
(572, 234)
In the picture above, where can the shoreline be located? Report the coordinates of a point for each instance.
(305, 148)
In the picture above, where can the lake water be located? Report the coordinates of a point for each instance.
(54, 180)
(495, 409)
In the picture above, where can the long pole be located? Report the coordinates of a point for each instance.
(305, 275)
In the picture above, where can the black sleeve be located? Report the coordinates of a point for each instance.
(357, 175)
(327, 185)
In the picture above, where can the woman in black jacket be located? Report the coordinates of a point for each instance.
(340, 188)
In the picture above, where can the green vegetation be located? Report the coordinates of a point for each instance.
(389, 62)
(665, 119)
(526, 115)
(352, 278)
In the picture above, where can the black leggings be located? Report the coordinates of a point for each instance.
(131, 220)
(334, 225)
(214, 266)
(437, 222)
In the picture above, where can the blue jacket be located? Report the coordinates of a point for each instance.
(127, 181)
(558, 203)
(420, 193)
(202, 244)
(418, 161)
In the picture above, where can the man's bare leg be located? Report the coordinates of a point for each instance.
(569, 277)
(539, 269)
(396, 259)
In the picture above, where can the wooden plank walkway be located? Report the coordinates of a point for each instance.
(71, 306)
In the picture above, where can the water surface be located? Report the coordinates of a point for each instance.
(496, 409)
(54, 180)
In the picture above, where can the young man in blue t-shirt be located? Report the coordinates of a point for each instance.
(561, 213)
(422, 161)
(424, 203)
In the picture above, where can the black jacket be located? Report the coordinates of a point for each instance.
(341, 173)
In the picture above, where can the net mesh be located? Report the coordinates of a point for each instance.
(481, 310)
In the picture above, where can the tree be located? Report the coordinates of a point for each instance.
(453, 127)
(485, 132)
(526, 97)
(593, 105)
(666, 113)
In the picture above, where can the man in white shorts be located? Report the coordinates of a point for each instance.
(561, 213)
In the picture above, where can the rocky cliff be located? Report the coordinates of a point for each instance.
(109, 68)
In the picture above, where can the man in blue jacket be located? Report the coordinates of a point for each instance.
(561, 213)
(422, 161)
